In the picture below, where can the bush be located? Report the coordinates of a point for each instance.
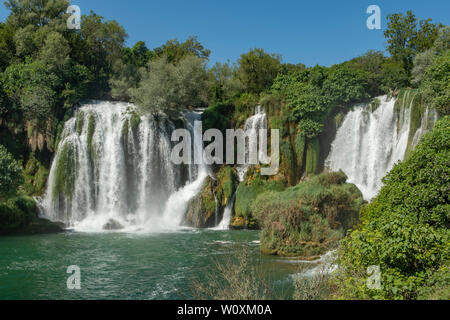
(172, 88)
(308, 219)
(10, 174)
(17, 213)
(405, 230)
(247, 193)
(436, 84)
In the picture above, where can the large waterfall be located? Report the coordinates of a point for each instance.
(369, 143)
(113, 170)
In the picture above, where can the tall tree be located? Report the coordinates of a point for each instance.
(258, 69)
(173, 51)
(406, 37)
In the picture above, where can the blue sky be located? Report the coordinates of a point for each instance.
(310, 32)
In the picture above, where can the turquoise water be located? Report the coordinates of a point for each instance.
(124, 266)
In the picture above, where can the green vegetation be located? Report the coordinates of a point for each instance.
(10, 174)
(405, 230)
(35, 175)
(19, 216)
(201, 210)
(227, 182)
(309, 219)
(247, 193)
(172, 88)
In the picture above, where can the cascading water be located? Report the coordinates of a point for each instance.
(178, 202)
(252, 125)
(368, 144)
(113, 170)
(225, 223)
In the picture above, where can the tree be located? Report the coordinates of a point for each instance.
(10, 174)
(395, 76)
(406, 38)
(101, 44)
(139, 55)
(32, 88)
(37, 13)
(371, 65)
(436, 84)
(174, 51)
(172, 88)
(7, 48)
(55, 52)
(258, 69)
(425, 60)
(224, 84)
(344, 85)
(126, 70)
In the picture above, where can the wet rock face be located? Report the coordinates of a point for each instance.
(202, 210)
(112, 225)
(206, 210)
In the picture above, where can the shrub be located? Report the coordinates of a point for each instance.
(10, 174)
(308, 219)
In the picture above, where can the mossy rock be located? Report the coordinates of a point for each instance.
(309, 219)
(18, 216)
(79, 122)
(65, 172)
(202, 209)
(227, 182)
(35, 175)
(312, 156)
(248, 191)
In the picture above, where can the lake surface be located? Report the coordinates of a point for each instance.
(126, 265)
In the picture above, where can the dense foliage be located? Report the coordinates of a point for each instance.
(405, 230)
(10, 174)
(307, 220)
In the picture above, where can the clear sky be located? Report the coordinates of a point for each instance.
(310, 32)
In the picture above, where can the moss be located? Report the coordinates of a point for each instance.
(309, 219)
(300, 144)
(125, 129)
(90, 135)
(65, 171)
(35, 175)
(288, 162)
(375, 104)
(248, 191)
(79, 122)
(57, 137)
(339, 119)
(202, 209)
(312, 156)
(19, 216)
(135, 119)
(226, 186)
(417, 113)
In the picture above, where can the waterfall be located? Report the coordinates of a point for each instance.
(113, 170)
(178, 202)
(253, 125)
(369, 143)
(227, 213)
